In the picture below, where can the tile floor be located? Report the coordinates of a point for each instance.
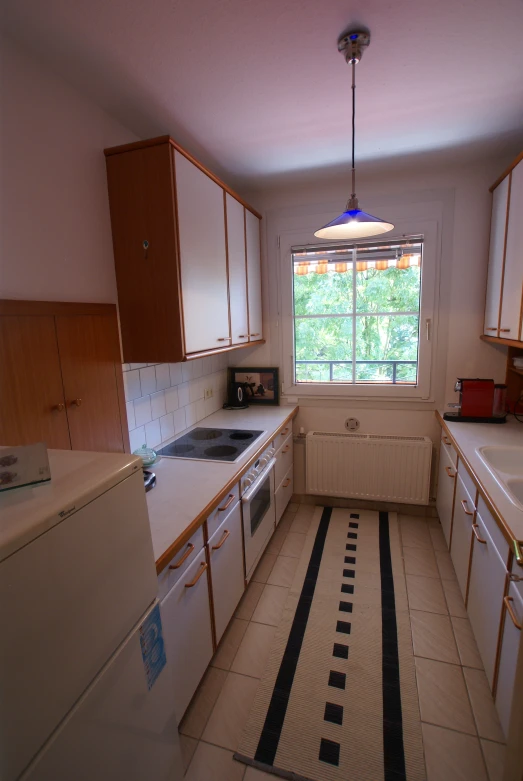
(461, 733)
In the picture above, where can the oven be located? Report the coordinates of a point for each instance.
(258, 508)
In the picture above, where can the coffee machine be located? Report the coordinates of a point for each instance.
(476, 402)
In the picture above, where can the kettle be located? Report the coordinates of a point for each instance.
(237, 395)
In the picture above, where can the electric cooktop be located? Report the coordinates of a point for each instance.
(211, 444)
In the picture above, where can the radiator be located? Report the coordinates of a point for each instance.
(369, 466)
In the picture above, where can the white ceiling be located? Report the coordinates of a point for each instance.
(256, 88)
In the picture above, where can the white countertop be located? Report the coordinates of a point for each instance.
(471, 436)
(185, 487)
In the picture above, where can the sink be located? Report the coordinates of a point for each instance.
(515, 488)
(503, 459)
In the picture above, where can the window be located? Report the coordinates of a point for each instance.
(357, 313)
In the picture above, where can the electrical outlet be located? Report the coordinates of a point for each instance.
(207, 394)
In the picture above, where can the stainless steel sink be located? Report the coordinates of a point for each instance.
(506, 465)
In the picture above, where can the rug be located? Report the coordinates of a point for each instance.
(338, 699)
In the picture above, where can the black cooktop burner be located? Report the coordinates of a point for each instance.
(211, 444)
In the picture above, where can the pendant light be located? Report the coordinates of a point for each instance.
(353, 223)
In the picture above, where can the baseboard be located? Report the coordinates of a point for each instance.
(423, 510)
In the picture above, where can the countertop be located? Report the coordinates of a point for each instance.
(470, 436)
(186, 491)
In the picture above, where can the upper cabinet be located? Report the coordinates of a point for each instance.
(503, 307)
(187, 256)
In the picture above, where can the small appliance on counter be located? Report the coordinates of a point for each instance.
(236, 396)
(480, 401)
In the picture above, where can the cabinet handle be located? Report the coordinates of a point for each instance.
(226, 533)
(76, 402)
(475, 529)
(491, 329)
(198, 575)
(447, 470)
(517, 553)
(464, 505)
(504, 330)
(287, 483)
(227, 504)
(190, 548)
(286, 449)
(225, 339)
(285, 431)
(243, 336)
(58, 407)
(255, 334)
(510, 611)
(445, 440)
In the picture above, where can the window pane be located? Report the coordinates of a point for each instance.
(312, 372)
(318, 294)
(322, 339)
(386, 340)
(390, 290)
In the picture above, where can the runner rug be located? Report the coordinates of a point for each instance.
(338, 699)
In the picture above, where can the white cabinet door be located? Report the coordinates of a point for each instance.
(186, 619)
(513, 275)
(252, 232)
(237, 270)
(496, 256)
(461, 544)
(510, 642)
(203, 264)
(283, 494)
(445, 498)
(486, 589)
(228, 581)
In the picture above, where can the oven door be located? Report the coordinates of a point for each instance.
(258, 516)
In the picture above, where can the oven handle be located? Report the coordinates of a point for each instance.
(247, 496)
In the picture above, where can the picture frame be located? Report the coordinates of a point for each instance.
(261, 384)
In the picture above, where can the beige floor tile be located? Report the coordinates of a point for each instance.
(293, 545)
(254, 650)
(445, 565)
(420, 561)
(253, 774)
(483, 707)
(188, 747)
(301, 524)
(231, 711)
(292, 507)
(270, 605)
(432, 637)
(277, 540)
(494, 754)
(439, 542)
(415, 532)
(263, 570)
(211, 763)
(199, 710)
(249, 601)
(426, 594)
(466, 642)
(229, 644)
(443, 696)
(451, 756)
(455, 603)
(282, 573)
(286, 522)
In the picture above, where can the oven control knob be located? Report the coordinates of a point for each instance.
(264, 460)
(247, 482)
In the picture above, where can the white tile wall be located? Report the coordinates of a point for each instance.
(164, 399)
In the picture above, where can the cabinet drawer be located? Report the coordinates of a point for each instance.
(494, 531)
(283, 494)
(222, 511)
(284, 459)
(461, 543)
(180, 563)
(510, 641)
(446, 487)
(186, 619)
(468, 482)
(448, 447)
(227, 576)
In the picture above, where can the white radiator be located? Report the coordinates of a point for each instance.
(368, 466)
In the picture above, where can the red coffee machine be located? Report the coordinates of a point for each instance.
(476, 401)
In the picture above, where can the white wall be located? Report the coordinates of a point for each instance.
(55, 234)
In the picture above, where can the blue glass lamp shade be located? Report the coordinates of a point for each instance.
(353, 224)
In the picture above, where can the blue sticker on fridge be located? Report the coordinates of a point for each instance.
(153, 647)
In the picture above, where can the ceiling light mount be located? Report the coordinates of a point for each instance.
(352, 44)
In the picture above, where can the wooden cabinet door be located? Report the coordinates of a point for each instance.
(445, 498)
(237, 270)
(186, 620)
(226, 557)
(460, 549)
(32, 404)
(252, 233)
(513, 274)
(203, 264)
(510, 643)
(89, 355)
(496, 258)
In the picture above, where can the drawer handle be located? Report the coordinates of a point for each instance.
(190, 548)
(464, 505)
(58, 407)
(243, 336)
(287, 483)
(256, 334)
(445, 440)
(505, 331)
(517, 553)
(285, 431)
(510, 611)
(225, 339)
(491, 329)
(198, 575)
(475, 529)
(76, 402)
(447, 470)
(286, 449)
(227, 504)
(226, 534)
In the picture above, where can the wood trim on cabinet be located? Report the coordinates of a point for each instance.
(471, 549)
(54, 308)
(500, 340)
(453, 502)
(178, 252)
(206, 353)
(507, 171)
(505, 257)
(501, 626)
(117, 150)
(186, 535)
(246, 278)
(227, 262)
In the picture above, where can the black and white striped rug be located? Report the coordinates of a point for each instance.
(338, 699)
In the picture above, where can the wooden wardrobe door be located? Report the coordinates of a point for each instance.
(32, 404)
(90, 355)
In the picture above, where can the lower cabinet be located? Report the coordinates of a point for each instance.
(510, 641)
(227, 575)
(283, 495)
(446, 487)
(186, 619)
(460, 548)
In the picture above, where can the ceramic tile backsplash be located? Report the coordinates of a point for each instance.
(164, 399)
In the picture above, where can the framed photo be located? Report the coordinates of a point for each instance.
(260, 385)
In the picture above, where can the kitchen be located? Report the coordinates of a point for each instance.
(124, 347)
